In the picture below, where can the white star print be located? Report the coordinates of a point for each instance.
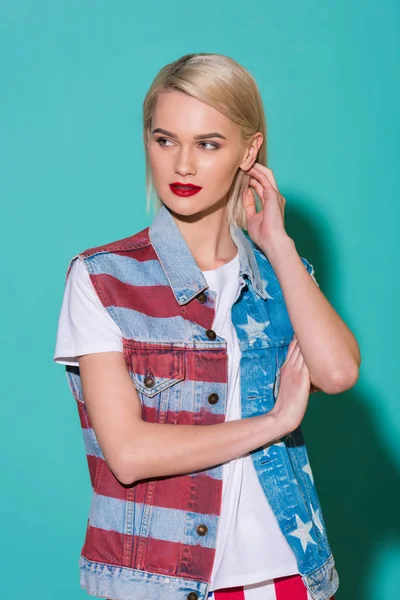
(307, 469)
(255, 330)
(303, 533)
(316, 519)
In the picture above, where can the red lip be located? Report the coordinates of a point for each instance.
(184, 189)
(191, 185)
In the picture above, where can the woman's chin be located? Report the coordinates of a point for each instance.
(190, 207)
(184, 207)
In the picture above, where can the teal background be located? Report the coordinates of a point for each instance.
(73, 77)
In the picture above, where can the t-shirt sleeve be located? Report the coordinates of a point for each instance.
(84, 325)
(309, 268)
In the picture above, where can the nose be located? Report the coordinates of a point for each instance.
(184, 162)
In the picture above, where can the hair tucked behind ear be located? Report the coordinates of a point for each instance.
(224, 84)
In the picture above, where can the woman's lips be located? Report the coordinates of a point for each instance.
(184, 190)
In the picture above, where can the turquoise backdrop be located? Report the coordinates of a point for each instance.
(73, 77)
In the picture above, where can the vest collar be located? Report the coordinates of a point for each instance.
(179, 265)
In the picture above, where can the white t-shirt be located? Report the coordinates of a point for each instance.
(250, 545)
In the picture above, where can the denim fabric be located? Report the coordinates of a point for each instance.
(144, 539)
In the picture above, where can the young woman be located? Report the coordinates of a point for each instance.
(191, 348)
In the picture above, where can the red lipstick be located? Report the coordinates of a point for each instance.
(184, 189)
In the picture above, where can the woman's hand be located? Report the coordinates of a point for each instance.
(267, 225)
(294, 389)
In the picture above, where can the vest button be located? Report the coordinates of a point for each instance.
(202, 298)
(211, 334)
(213, 398)
(202, 529)
(192, 596)
(149, 382)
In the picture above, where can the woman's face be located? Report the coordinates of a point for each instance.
(176, 156)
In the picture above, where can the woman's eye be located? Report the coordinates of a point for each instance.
(212, 144)
(161, 140)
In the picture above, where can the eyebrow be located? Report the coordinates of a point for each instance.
(202, 136)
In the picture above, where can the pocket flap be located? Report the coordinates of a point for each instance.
(154, 370)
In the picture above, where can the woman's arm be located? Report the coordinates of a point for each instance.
(329, 348)
(135, 449)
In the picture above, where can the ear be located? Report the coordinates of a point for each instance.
(250, 154)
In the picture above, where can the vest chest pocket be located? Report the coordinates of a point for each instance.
(154, 370)
(265, 366)
(261, 369)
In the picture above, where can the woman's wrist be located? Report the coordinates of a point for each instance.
(276, 246)
(280, 423)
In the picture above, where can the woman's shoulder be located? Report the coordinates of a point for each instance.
(139, 239)
(266, 269)
(131, 243)
(263, 258)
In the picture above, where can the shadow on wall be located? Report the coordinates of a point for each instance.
(357, 480)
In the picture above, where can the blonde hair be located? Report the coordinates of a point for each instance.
(224, 84)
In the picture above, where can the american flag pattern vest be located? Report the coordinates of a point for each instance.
(157, 537)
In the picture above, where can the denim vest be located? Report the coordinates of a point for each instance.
(156, 537)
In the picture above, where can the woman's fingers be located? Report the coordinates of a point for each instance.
(292, 360)
(295, 357)
(293, 344)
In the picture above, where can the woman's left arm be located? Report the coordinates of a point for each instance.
(329, 348)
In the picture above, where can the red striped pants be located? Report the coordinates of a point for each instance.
(283, 588)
